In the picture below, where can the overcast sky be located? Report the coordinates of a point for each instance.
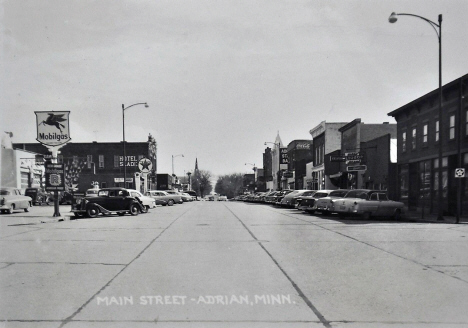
(220, 77)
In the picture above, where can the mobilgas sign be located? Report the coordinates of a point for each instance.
(53, 128)
(55, 177)
(284, 156)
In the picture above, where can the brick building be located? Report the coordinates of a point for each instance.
(418, 149)
(102, 162)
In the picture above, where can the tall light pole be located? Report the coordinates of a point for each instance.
(123, 130)
(392, 19)
(189, 181)
(173, 156)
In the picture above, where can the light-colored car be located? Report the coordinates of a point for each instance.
(307, 203)
(11, 200)
(222, 198)
(325, 204)
(176, 195)
(93, 192)
(162, 195)
(186, 197)
(148, 202)
(368, 203)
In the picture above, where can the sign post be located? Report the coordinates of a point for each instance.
(53, 131)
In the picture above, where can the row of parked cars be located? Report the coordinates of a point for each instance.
(355, 202)
(122, 201)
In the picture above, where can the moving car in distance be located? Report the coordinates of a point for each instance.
(11, 200)
(148, 202)
(163, 198)
(186, 197)
(368, 203)
(222, 198)
(325, 204)
(107, 201)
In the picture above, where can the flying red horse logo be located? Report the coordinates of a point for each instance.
(54, 120)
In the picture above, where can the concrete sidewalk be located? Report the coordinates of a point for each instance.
(415, 216)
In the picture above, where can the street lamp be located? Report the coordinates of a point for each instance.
(189, 181)
(173, 156)
(123, 130)
(392, 19)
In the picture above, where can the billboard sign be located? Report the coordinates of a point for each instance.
(55, 177)
(53, 128)
(284, 156)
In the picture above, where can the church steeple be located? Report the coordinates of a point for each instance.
(196, 164)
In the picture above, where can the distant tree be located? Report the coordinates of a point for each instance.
(201, 182)
(230, 185)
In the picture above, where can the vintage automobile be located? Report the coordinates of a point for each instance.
(185, 197)
(107, 201)
(308, 202)
(11, 199)
(287, 200)
(368, 203)
(297, 200)
(325, 204)
(162, 197)
(148, 202)
(280, 195)
(93, 192)
(192, 193)
(38, 196)
(176, 195)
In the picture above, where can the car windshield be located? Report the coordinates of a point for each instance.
(357, 194)
(4, 193)
(308, 193)
(321, 194)
(338, 193)
(92, 192)
(101, 193)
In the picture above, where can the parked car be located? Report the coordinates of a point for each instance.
(192, 193)
(222, 198)
(308, 203)
(93, 192)
(148, 202)
(38, 196)
(279, 196)
(163, 198)
(176, 195)
(186, 197)
(325, 204)
(368, 203)
(270, 197)
(107, 201)
(287, 200)
(11, 200)
(297, 200)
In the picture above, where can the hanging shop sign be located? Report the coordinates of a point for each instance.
(284, 156)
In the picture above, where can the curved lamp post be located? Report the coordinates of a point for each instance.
(123, 130)
(438, 29)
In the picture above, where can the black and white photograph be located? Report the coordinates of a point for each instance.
(234, 163)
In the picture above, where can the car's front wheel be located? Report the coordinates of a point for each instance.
(170, 202)
(92, 211)
(397, 215)
(11, 209)
(133, 209)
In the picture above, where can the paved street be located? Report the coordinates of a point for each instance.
(230, 264)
